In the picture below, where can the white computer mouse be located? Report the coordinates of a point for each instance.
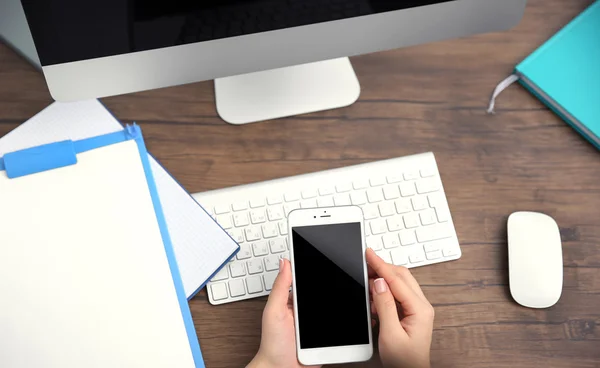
(535, 261)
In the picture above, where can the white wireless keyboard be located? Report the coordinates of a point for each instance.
(407, 219)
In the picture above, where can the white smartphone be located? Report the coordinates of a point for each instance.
(330, 285)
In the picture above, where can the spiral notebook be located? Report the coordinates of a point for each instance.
(201, 246)
(89, 281)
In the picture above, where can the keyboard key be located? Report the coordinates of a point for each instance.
(395, 223)
(377, 181)
(370, 211)
(283, 228)
(407, 189)
(391, 240)
(443, 215)
(378, 227)
(269, 278)
(285, 255)
(342, 200)
(258, 216)
(309, 203)
(391, 179)
(411, 220)
(289, 207)
(240, 219)
(240, 206)
(407, 237)
(270, 230)
(437, 245)
(427, 172)
(419, 203)
(428, 217)
(221, 275)
(275, 199)
(417, 258)
(277, 245)
(310, 193)
(236, 288)
(450, 251)
(225, 221)
(325, 201)
(292, 196)
(343, 188)
(219, 291)
(360, 184)
(391, 192)
(385, 255)
(427, 185)
(245, 252)
(436, 200)
(237, 235)
(255, 266)
(257, 202)
(222, 209)
(260, 248)
(399, 258)
(433, 232)
(375, 195)
(374, 242)
(403, 206)
(387, 209)
(358, 198)
(272, 263)
(254, 284)
(434, 255)
(237, 269)
(252, 233)
(411, 175)
(326, 191)
(275, 213)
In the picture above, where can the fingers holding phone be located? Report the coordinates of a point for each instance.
(405, 315)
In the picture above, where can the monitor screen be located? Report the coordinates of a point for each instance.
(73, 30)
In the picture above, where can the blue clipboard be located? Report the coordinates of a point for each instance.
(61, 154)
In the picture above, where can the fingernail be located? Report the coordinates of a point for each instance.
(281, 261)
(380, 286)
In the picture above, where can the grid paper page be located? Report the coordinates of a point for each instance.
(201, 246)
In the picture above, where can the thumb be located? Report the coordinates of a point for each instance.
(385, 304)
(281, 287)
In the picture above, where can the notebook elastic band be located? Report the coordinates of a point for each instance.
(499, 89)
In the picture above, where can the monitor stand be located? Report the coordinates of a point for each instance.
(283, 92)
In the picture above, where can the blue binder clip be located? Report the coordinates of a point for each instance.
(38, 159)
(133, 131)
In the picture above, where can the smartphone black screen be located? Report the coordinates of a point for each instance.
(330, 287)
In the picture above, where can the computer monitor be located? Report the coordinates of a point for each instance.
(270, 58)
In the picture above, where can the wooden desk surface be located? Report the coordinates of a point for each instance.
(425, 98)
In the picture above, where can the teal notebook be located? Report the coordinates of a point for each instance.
(564, 73)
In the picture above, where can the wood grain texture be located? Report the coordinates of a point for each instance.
(425, 98)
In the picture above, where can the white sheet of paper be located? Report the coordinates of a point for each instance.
(201, 246)
(85, 279)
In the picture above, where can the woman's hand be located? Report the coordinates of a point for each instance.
(278, 341)
(405, 315)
